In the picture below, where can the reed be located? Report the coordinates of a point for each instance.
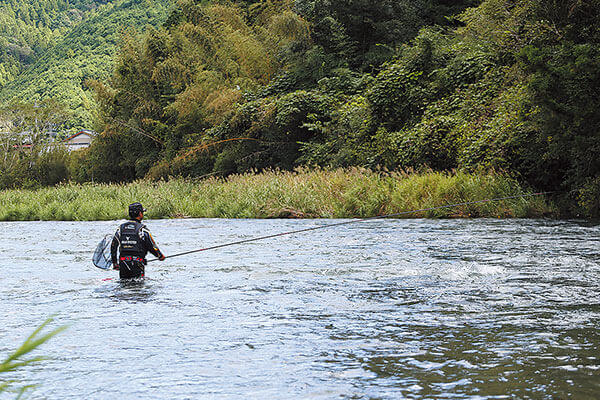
(303, 193)
(20, 358)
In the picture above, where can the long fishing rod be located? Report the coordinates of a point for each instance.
(314, 228)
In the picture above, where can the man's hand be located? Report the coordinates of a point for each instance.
(162, 257)
(116, 266)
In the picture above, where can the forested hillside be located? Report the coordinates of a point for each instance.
(50, 48)
(29, 28)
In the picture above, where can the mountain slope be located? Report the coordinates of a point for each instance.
(28, 28)
(85, 52)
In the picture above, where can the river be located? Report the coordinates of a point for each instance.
(384, 309)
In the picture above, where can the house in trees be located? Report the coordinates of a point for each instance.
(80, 140)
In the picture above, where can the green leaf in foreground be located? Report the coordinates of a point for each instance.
(17, 359)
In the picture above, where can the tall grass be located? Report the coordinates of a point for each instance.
(316, 193)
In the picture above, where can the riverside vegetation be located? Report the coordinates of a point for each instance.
(337, 193)
(20, 358)
(226, 87)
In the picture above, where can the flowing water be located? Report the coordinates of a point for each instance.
(385, 309)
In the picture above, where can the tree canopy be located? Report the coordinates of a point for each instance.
(49, 49)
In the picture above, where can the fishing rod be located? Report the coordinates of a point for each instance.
(314, 228)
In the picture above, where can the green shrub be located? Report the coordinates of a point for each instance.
(589, 198)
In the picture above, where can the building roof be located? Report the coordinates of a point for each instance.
(81, 132)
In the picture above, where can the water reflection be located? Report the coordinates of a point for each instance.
(140, 290)
(134, 290)
(434, 362)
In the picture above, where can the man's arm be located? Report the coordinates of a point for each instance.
(114, 246)
(151, 244)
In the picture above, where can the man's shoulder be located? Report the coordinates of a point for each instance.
(144, 228)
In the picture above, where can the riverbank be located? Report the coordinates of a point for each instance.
(341, 193)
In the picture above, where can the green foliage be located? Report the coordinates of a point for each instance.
(83, 38)
(29, 28)
(269, 132)
(432, 143)
(182, 80)
(346, 139)
(28, 156)
(589, 198)
(365, 34)
(224, 88)
(396, 96)
(564, 83)
(228, 87)
(508, 91)
(17, 359)
(339, 193)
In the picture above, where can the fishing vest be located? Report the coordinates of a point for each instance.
(132, 239)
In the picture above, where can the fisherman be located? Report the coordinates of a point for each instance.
(134, 241)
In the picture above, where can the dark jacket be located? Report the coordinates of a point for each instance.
(133, 242)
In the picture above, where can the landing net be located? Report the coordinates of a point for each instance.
(101, 258)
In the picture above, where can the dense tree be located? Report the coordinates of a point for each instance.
(82, 38)
(187, 77)
(28, 155)
(29, 28)
(364, 34)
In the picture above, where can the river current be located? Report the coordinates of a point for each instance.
(384, 309)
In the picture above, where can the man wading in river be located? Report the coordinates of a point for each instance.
(134, 241)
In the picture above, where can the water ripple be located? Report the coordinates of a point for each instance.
(477, 309)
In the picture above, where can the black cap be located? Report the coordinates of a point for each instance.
(135, 209)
